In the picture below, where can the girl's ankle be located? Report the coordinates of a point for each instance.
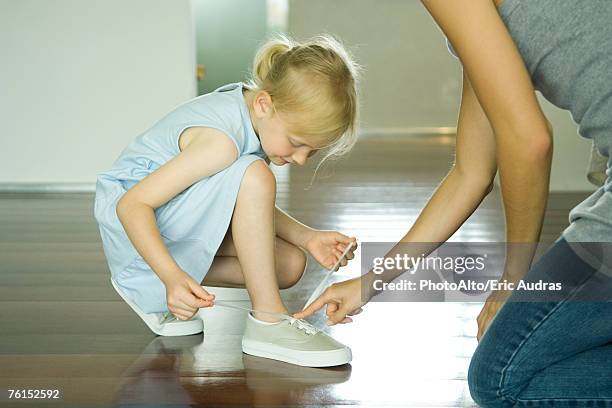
(271, 317)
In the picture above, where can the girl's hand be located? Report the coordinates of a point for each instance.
(326, 247)
(494, 302)
(343, 299)
(185, 296)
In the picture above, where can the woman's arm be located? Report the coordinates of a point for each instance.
(469, 180)
(467, 183)
(523, 142)
(464, 187)
(209, 152)
(502, 85)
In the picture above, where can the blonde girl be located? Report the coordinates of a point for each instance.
(191, 201)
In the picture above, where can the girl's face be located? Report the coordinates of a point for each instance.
(278, 142)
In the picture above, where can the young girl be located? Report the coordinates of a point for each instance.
(193, 197)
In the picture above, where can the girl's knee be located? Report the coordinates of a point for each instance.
(259, 176)
(295, 265)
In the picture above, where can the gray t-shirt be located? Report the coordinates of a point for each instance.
(567, 48)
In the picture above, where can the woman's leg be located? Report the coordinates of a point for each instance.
(290, 262)
(549, 353)
(252, 228)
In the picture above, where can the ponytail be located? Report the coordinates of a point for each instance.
(267, 56)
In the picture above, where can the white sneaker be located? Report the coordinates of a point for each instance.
(293, 341)
(156, 322)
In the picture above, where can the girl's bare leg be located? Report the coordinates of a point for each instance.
(225, 271)
(254, 239)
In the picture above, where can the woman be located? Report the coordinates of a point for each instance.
(544, 352)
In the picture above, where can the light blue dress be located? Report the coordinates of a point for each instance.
(194, 222)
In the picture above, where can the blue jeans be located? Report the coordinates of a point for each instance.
(552, 353)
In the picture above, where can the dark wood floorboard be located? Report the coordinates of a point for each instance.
(64, 327)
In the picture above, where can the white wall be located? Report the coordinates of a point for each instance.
(410, 79)
(80, 79)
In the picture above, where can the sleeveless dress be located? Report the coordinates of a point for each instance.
(194, 222)
(566, 46)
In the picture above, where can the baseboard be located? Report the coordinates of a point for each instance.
(47, 187)
(407, 131)
(366, 133)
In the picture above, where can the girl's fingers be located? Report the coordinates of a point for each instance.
(180, 312)
(186, 308)
(199, 292)
(194, 303)
(340, 237)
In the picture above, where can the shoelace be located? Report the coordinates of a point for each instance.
(303, 325)
(300, 324)
(324, 282)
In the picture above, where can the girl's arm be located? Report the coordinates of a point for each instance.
(209, 152)
(290, 229)
(326, 247)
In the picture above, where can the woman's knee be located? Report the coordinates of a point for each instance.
(483, 380)
(258, 177)
(489, 380)
(291, 266)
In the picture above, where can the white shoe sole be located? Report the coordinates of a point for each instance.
(173, 328)
(327, 358)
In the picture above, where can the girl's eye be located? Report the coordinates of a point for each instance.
(294, 144)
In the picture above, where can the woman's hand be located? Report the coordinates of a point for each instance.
(343, 299)
(185, 296)
(326, 247)
(494, 302)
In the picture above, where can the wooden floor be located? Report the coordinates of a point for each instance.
(62, 326)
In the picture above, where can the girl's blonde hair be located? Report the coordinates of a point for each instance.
(314, 81)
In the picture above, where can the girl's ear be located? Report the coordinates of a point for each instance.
(263, 104)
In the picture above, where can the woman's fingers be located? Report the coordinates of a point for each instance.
(356, 312)
(331, 308)
(315, 306)
(338, 316)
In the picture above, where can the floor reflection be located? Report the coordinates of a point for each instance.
(177, 371)
(155, 376)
